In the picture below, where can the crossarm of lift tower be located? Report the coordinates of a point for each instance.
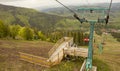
(81, 20)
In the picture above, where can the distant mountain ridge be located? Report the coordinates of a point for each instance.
(64, 11)
(27, 17)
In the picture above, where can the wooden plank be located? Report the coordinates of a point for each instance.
(76, 52)
(58, 43)
(83, 66)
(94, 68)
(57, 56)
(21, 53)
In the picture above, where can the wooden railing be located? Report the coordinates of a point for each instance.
(35, 59)
(57, 57)
(55, 46)
(83, 52)
(58, 43)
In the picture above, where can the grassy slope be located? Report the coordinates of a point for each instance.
(9, 60)
(110, 55)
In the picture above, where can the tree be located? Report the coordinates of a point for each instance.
(14, 30)
(27, 33)
(41, 35)
(4, 30)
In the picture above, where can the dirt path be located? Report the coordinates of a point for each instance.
(9, 59)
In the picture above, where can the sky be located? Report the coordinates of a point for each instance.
(49, 3)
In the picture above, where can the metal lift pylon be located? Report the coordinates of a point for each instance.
(89, 60)
(92, 23)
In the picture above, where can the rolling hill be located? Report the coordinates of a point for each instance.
(28, 17)
(49, 19)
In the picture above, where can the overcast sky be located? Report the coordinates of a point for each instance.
(49, 3)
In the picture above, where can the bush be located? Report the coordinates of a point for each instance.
(27, 33)
(4, 30)
(118, 39)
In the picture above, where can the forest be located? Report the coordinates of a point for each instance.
(29, 24)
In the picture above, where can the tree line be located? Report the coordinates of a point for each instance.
(16, 32)
(27, 33)
(78, 36)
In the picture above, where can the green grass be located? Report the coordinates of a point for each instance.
(68, 65)
(110, 55)
(101, 66)
(109, 60)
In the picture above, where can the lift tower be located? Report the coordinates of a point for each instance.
(91, 15)
(92, 22)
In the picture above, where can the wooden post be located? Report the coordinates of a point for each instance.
(58, 58)
(63, 53)
(74, 52)
(83, 66)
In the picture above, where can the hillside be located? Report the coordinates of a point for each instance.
(9, 61)
(49, 20)
(114, 14)
(27, 17)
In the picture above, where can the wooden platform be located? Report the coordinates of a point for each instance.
(56, 54)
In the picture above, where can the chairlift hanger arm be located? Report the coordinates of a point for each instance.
(75, 15)
(110, 7)
(108, 14)
(66, 7)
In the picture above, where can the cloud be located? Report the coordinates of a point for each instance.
(49, 3)
(8, 0)
(31, 3)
